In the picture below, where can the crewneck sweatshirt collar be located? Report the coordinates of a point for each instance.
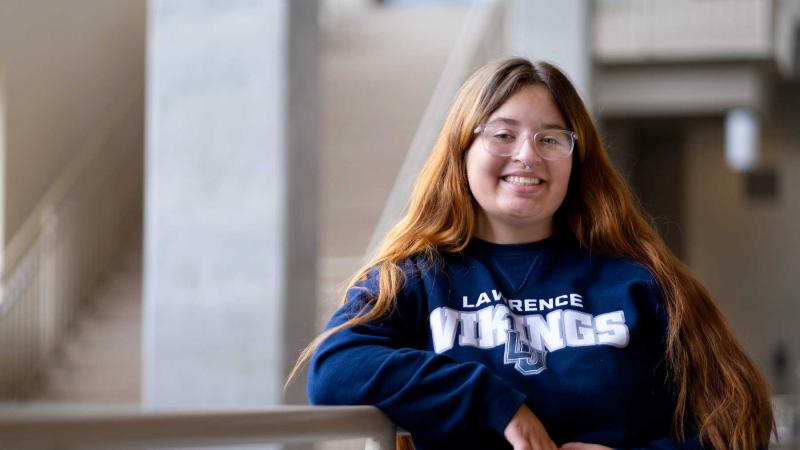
(491, 248)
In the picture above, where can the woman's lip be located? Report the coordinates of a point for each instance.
(523, 188)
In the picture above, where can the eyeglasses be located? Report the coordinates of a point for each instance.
(551, 144)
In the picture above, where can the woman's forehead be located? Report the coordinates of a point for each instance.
(531, 106)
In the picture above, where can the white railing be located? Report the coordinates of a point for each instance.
(55, 428)
(53, 261)
(480, 40)
(653, 30)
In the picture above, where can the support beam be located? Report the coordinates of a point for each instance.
(557, 32)
(230, 200)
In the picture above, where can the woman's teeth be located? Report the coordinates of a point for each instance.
(522, 181)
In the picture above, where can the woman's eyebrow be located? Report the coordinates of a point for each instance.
(505, 120)
(516, 123)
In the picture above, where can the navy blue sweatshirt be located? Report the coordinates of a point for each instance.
(578, 337)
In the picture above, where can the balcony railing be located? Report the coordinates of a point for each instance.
(56, 427)
(655, 30)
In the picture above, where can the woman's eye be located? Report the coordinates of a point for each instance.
(549, 140)
(505, 137)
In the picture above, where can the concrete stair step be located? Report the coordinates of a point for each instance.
(104, 381)
(121, 282)
(109, 352)
(120, 294)
(107, 331)
(85, 393)
(105, 309)
(97, 376)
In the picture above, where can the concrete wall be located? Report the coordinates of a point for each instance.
(65, 65)
(748, 253)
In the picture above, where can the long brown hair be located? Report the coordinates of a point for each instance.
(717, 387)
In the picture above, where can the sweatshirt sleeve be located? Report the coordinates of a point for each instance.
(426, 393)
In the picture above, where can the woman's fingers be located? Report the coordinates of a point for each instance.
(526, 432)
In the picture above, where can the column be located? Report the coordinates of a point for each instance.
(557, 32)
(230, 209)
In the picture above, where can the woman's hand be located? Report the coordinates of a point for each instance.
(582, 446)
(526, 432)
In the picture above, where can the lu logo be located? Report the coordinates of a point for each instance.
(527, 360)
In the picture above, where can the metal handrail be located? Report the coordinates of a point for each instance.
(55, 427)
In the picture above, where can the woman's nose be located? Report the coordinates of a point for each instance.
(526, 152)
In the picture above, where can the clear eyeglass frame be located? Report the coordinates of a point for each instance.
(573, 137)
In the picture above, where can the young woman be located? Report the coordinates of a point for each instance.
(524, 300)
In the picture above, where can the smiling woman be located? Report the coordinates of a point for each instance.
(518, 193)
(525, 301)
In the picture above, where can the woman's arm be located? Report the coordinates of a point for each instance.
(426, 393)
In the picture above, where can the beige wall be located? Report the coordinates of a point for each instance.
(746, 253)
(66, 64)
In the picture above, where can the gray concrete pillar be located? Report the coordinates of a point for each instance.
(558, 32)
(230, 210)
(2, 171)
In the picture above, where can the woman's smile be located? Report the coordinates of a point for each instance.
(522, 180)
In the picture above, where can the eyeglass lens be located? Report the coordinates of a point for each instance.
(550, 144)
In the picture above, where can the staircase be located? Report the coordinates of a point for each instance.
(380, 68)
(100, 358)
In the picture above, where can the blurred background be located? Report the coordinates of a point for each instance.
(188, 185)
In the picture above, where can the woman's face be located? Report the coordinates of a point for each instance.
(513, 207)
